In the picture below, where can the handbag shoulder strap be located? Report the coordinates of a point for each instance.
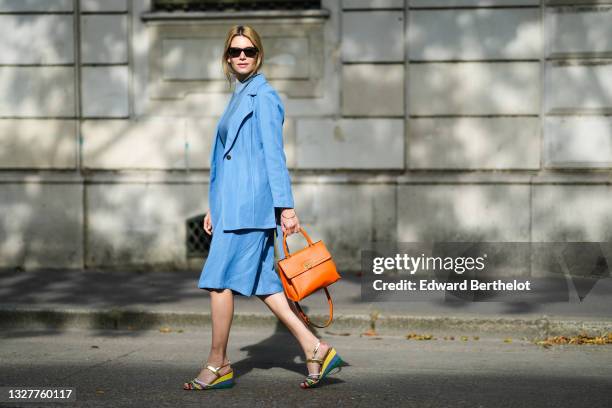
(331, 312)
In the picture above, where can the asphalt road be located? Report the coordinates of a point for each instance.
(147, 368)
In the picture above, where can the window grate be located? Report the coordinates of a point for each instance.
(198, 241)
(233, 5)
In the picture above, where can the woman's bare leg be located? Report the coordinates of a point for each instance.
(279, 305)
(222, 313)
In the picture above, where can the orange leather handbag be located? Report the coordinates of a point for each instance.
(306, 271)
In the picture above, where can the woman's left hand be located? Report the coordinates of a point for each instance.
(290, 223)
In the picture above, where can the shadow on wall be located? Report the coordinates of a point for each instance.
(141, 219)
(128, 221)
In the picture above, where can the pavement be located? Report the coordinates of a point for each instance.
(146, 368)
(136, 299)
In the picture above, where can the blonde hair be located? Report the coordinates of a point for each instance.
(250, 33)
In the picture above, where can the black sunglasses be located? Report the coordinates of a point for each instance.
(235, 52)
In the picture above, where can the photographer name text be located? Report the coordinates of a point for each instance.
(433, 285)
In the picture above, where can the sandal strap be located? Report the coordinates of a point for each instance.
(215, 370)
(200, 383)
(314, 360)
(311, 381)
(313, 378)
(314, 353)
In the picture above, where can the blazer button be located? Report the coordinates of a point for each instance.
(228, 157)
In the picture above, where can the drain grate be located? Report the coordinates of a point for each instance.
(197, 240)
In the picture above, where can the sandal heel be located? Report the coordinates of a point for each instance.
(226, 381)
(331, 360)
(224, 384)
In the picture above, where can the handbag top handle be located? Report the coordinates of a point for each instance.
(286, 249)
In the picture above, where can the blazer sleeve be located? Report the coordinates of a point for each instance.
(270, 119)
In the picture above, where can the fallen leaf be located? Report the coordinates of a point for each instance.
(415, 336)
(165, 330)
(507, 340)
(582, 338)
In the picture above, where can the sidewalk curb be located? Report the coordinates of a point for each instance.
(126, 319)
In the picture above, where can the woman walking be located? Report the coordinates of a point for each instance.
(250, 198)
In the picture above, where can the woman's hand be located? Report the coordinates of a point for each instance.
(208, 223)
(289, 221)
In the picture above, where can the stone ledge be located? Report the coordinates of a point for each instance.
(132, 319)
(232, 15)
(586, 177)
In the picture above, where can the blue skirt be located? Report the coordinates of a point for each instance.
(241, 260)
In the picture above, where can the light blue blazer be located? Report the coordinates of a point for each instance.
(255, 175)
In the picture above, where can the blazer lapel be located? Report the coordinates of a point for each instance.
(242, 111)
(216, 139)
(212, 152)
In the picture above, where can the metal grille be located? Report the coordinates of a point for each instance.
(234, 5)
(198, 241)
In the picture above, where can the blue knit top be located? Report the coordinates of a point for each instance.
(233, 104)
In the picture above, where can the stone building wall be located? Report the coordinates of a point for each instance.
(410, 120)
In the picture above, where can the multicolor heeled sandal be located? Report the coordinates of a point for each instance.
(330, 361)
(222, 381)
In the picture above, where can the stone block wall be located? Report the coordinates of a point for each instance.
(406, 120)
